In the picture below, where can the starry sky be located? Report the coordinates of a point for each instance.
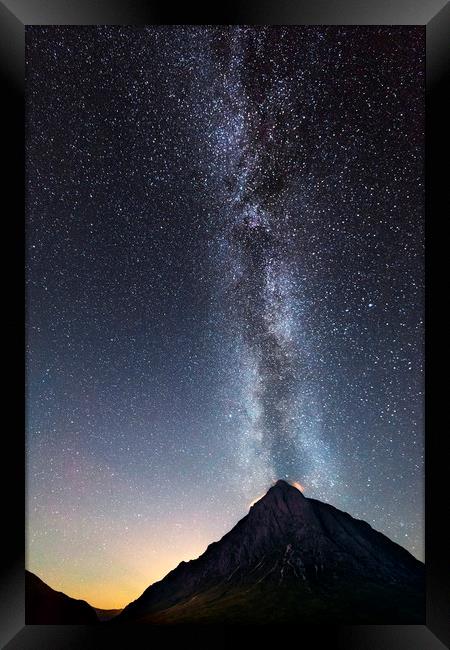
(224, 247)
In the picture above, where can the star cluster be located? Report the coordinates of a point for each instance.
(224, 287)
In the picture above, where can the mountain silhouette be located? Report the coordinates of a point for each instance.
(45, 606)
(290, 559)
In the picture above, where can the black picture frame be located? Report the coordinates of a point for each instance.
(434, 15)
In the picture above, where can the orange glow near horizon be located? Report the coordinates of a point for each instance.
(119, 568)
(137, 569)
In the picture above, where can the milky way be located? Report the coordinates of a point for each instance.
(224, 287)
(256, 106)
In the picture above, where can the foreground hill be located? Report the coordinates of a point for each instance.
(45, 606)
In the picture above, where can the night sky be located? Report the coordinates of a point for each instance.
(224, 249)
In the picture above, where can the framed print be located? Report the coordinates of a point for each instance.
(225, 314)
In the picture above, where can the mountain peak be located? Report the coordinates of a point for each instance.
(285, 485)
(281, 502)
(285, 490)
(282, 496)
(281, 483)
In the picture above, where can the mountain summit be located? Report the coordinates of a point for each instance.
(289, 559)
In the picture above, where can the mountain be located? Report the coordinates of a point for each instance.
(45, 606)
(106, 614)
(290, 559)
